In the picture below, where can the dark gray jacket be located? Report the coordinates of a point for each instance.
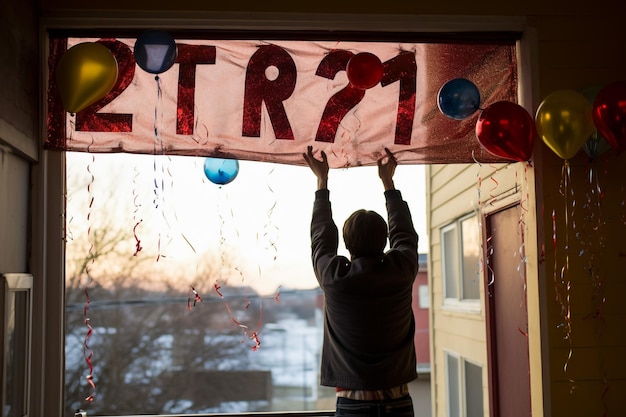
(368, 319)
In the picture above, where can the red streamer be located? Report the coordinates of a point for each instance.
(138, 247)
(254, 336)
(217, 287)
(196, 298)
(87, 352)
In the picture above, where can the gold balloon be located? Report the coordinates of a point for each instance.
(565, 122)
(85, 74)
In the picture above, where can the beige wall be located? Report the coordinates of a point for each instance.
(578, 43)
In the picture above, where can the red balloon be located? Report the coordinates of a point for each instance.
(609, 114)
(507, 130)
(364, 70)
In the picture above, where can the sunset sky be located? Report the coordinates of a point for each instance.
(260, 220)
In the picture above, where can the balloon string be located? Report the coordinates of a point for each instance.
(137, 205)
(196, 298)
(68, 236)
(254, 335)
(492, 275)
(158, 149)
(521, 267)
(565, 283)
(222, 207)
(269, 225)
(174, 214)
(87, 352)
(479, 181)
(277, 295)
(594, 240)
(495, 184)
(605, 391)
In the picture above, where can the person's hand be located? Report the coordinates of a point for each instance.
(387, 169)
(319, 167)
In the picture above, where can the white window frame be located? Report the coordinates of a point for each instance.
(457, 301)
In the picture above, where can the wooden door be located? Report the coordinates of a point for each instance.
(506, 315)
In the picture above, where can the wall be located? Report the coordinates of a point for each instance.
(586, 374)
(18, 115)
(579, 43)
(421, 308)
(453, 192)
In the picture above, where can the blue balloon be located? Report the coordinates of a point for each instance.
(155, 51)
(459, 99)
(221, 171)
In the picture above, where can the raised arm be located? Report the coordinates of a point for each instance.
(386, 169)
(319, 167)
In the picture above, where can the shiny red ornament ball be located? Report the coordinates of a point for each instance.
(364, 70)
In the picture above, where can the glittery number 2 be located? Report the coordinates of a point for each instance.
(89, 119)
(401, 68)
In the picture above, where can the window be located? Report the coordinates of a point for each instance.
(464, 387)
(16, 306)
(460, 245)
(151, 352)
(98, 130)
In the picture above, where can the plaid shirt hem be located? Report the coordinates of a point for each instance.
(376, 395)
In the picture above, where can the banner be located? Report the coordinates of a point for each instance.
(268, 100)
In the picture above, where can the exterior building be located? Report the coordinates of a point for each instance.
(539, 323)
(421, 308)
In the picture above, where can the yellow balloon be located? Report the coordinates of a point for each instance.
(85, 74)
(565, 122)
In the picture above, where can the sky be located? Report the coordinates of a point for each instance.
(259, 221)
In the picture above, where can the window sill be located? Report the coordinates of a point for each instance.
(465, 307)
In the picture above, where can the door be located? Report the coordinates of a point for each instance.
(506, 315)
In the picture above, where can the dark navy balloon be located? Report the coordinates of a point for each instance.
(459, 99)
(155, 51)
(221, 171)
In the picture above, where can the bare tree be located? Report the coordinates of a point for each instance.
(136, 326)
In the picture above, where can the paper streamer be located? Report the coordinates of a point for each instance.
(254, 335)
(87, 351)
(137, 205)
(193, 298)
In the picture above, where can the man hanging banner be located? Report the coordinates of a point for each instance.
(268, 100)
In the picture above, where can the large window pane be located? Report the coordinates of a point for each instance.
(453, 385)
(473, 390)
(471, 252)
(250, 339)
(450, 250)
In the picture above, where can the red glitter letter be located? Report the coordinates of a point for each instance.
(403, 68)
(188, 57)
(259, 88)
(89, 119)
